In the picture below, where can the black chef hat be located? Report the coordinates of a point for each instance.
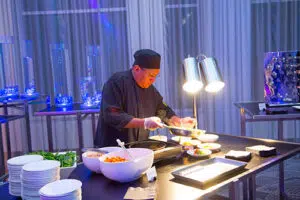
(147, 58)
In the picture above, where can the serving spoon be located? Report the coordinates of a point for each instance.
(122, 145)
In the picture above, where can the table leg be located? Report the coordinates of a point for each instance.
(243, 122)
(93, 125)
(281, 181)
(245, 189)
(252, 187)
(27, 120)
(49, 131)
(2, 160)
(280, 129)
(7, 133)
(79, 127)
(234, 190)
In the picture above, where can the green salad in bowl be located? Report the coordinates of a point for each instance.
(66, 159)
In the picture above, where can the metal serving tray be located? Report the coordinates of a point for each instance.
(208, 172)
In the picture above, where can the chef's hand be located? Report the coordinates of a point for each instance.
(152, 123)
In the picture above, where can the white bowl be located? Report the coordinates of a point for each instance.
(180, 138)
(211, 146)
(208, 138)
(93, 164)
(129, 170)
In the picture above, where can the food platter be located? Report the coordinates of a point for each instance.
(189, 143)
(199, 153)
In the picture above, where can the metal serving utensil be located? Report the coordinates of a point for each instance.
(188, 131)
(122, 144)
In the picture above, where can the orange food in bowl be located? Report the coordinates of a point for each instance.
(115, 159)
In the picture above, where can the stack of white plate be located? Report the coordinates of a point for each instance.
(67, 189)
(35, 175)
(14, 166)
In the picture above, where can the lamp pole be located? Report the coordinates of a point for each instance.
(195, 110)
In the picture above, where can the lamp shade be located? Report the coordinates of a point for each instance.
(211, 73)
(193, 82)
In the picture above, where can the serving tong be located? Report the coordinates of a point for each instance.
(190, 130)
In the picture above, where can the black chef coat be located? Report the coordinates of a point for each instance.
(123, 100)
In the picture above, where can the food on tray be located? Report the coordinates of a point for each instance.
(66, 159)
(187, 143)
(262, 150)
(200, 152)
(190, 143)
(92, 154)
(239, 155)
(115, 159)
(196, 134)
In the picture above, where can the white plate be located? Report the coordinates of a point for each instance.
(206, 152)
(22, 160)
(43, 165)
(180, 138)
(296, 107)
(210, 146)
(60, 188)
(162, 138)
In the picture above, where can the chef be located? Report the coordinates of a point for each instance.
(131, 106)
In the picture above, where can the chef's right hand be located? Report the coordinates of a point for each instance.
(152, 123)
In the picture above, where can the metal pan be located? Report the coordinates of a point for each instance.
(153, 145)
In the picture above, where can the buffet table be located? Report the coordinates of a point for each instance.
(96, 186)
(5, 119)
(21, 104)
(249, 112)
(75, 109)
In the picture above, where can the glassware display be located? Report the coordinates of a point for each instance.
(282, 82)
(89, 85)
(60, 64)
(98, 98)
(2, 97)
(29, 81)
(10, 90)
(87, 91)
(63, 100)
